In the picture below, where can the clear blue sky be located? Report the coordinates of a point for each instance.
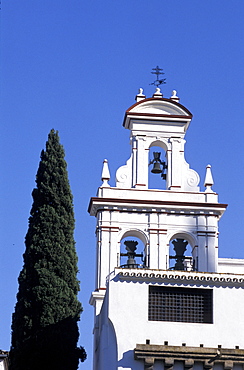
(76, 66)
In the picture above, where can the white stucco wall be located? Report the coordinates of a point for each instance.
(126, 307)
(3, 364)
(231, 265)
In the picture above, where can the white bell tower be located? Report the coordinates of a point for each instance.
(144, 225)
(158, 122)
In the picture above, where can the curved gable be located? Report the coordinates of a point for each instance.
(159, 106)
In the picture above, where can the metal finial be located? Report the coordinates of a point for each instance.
(158, 81)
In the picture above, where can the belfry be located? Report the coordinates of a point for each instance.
(163, 299)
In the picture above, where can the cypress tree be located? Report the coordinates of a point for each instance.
(44, 325)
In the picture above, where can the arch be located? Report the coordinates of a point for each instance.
(140, 258)
(190, 254)
(136, 233)
(160, 143)
(184, 235)
(158, 146)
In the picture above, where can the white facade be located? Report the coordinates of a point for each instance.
(129, 332)
(3, 360)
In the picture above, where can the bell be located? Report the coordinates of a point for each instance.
(156, 168)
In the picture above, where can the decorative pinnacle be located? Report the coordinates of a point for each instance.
(105, 174)
(158, 81)
(140, 96)
(174, 96)
(208, 183)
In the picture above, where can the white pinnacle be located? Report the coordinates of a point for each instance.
(140, 96)
(105, 173)
(157, 93)
(208, 179)
(174, 96)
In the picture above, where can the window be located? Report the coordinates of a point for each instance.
(180, 304)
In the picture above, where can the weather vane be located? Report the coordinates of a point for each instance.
(158, 81)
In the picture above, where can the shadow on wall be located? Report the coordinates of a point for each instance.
(127, 362)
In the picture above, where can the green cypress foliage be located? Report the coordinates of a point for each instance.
(44, 325)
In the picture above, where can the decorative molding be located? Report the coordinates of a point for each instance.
(161, 99)
(123, 175)
(108, 228)
(168, 116)
(97, 204)
(97, 295)
(209, 357)
(192, 178)
(155, 231)
(173, 276)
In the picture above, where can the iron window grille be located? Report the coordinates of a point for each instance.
(180, 304)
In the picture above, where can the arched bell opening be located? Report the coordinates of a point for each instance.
(133, 250)
(183, 253)
(157, 172)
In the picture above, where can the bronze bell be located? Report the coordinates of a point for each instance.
(156, 168)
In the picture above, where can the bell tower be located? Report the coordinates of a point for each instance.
(142, 237)
(158, 122)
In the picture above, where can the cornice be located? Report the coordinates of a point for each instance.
(209, 357)
(97, 296)
(146, 204)
(160, 276)
(170, 117)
